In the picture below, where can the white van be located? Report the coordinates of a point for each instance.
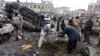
(47, 16)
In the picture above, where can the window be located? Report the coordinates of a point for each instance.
(42, 7)
(34, 6)
(47, 7)
(47, 16)
(39, 6)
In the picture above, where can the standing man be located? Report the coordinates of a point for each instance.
(18, 23)
(88, 29)
(99, 39)
(76, 23)
(99, 32)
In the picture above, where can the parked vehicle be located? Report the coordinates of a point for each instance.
(47, 16)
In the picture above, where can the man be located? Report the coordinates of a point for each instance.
(73, 35)
(77, 19)
(45, 31)
(88, 29)
(76, 23)
(99, 33)
(99, 39)
(71, 22)
(18, 23)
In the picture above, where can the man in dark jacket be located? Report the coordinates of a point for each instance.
(88, 29)
(73, 35)
(89, 24)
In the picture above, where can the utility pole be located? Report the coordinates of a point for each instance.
(18, 1)
(31, 1)
(93, 6)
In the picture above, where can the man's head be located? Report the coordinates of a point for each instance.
(54, 19)
(91, 17)
(16, 13)
(77, 17)
(52, 25)
(63, 25)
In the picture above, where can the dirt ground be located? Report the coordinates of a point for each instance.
(13, 48)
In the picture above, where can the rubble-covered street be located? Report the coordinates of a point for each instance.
(14, 48)
(49, 28)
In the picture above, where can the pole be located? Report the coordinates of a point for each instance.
(26, 4)
(93, 6)
(18, 1)
(31, 1)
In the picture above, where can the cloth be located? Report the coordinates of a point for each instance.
(71, 45)
(7, 28)
(55, 23)
(73, 35)
(17, 20)
(45, 32)
(86, 35)
(77, 22)
(41, 40)
(89, 23)
(99, 39)
(72, 32)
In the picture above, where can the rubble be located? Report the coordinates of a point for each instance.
(53, 46)
(26, 47)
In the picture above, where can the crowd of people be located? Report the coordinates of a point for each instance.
(59, 26)
(73, 28)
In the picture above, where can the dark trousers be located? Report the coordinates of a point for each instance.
(99, 39)
(87, 32)
(86, 35)
(71, 45)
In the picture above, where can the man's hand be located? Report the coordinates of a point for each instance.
(59, 33)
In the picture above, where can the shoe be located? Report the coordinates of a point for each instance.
(16, 39)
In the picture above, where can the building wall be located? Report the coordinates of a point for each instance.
(62, 10)
(37, 7)
(40, 7)
(1, 5)
(94, 7)
(98, 2)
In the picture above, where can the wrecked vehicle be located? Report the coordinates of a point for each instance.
(5, 31)
(31, 19)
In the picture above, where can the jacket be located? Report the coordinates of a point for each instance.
(72, 33)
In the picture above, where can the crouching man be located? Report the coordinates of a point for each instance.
(44, 32)
(73, 35)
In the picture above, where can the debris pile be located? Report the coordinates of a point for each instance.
(26, 47)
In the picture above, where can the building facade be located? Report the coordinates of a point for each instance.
(94, 8)
(40, 7)
(62, 10)
(37, 7)
(1, 5)
(98, 2)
